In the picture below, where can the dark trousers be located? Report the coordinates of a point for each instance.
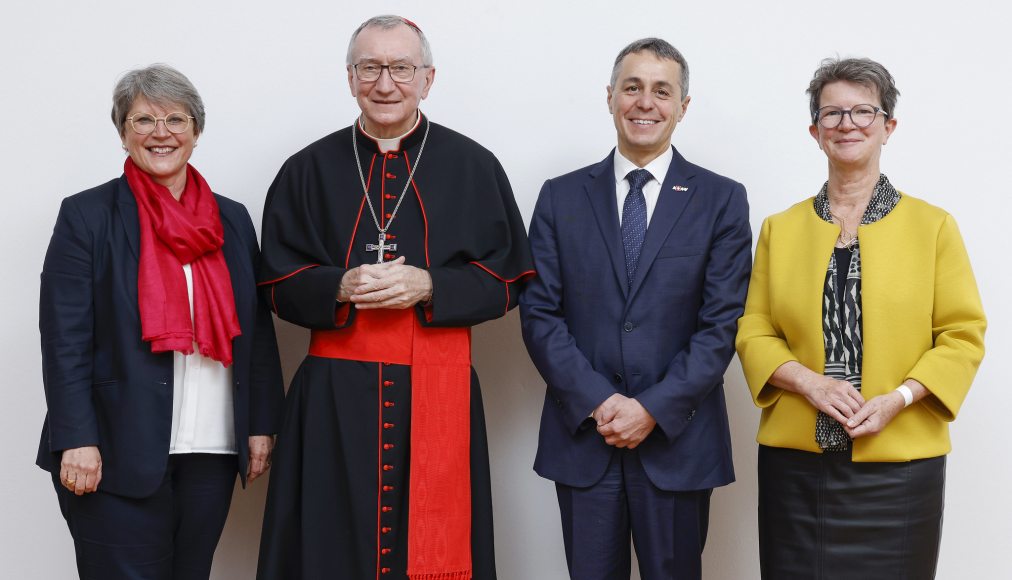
(668, 527)
(170, 535)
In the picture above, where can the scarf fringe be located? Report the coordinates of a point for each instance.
(459, 575)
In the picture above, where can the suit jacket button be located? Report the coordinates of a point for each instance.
(628, 326)
(618, 377)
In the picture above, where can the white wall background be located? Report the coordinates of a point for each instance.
(527, 80)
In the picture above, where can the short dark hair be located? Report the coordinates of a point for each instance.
(660, 48)
(862, 71)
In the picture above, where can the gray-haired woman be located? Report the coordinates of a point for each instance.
(862, 333)
(159, 362)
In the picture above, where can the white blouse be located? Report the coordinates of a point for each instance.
(202, 414)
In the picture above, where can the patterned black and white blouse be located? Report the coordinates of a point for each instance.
(841, 310)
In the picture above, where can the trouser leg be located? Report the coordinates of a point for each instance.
(595, 527)
(202, 487)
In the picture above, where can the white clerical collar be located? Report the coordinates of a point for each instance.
(394, 143)
(658, 168)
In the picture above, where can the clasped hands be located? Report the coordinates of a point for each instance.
(623, 421)
(841, 401)
(387, 285)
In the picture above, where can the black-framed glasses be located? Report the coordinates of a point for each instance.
(144, 124)
(400, 72)
(861, 116)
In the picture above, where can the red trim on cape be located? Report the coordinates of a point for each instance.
(286, 276)
(505, 281)
(425, 217)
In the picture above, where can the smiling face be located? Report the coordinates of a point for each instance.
(848, 146)
(389, 107)
(646, 105)
(161, 154)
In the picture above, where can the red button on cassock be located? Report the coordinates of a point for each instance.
(388, 256)
(384, 570)
(388, 215)
(388, 446)
(388, 383)
(391, 237)
(387, 467)
(388, 488)
(387, 508)
(385, 530)
(391, 156)
(389, 196)
(385, 551)
(388, 425)
(391, 175)
(388, 404)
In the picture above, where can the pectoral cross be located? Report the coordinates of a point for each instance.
(381, 247)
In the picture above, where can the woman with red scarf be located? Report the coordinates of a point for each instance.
(160, 365)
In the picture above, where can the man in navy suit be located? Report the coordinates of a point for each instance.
(643, 262)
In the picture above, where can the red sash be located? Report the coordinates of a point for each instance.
(439, 504)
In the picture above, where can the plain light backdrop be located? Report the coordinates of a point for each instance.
(527, 80)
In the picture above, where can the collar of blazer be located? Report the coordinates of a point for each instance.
(676, 191)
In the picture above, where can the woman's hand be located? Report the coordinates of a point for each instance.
(874, 415)
(81, 469)
(260, 447)
(838, 399)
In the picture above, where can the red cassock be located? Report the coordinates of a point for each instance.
(381, 467)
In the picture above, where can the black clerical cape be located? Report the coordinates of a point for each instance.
(337, 506)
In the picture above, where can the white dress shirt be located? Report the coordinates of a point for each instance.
(658, 168)
(202, 414)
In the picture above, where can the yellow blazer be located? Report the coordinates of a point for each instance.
(922, 319)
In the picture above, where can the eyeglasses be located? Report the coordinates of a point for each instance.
(860, 115)
(399, 72)
(144, 124)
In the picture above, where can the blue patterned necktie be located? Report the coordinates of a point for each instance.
(634, 219)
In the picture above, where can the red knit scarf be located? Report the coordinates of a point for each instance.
(174, 233)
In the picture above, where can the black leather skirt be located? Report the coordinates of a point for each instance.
(825, 517)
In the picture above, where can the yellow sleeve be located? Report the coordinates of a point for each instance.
(957, 327)
(760, 345)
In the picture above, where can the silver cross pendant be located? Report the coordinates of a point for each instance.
(381, 247)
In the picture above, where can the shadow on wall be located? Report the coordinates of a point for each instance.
(528, 532)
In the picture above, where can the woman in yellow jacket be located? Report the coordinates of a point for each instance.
(862, 332)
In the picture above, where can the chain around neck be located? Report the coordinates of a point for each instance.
(365, 188)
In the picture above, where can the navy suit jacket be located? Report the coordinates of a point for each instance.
(103, 384)
(665, 340)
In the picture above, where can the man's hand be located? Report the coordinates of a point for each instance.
(389, 285)
(81, 469)
(260, 447)
(630, 424)
(605, 412)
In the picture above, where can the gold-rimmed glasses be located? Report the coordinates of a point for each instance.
(144, 123)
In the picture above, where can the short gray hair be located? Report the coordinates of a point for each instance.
(660, 48)
(160, 84)
(861, 71)
(386, 22)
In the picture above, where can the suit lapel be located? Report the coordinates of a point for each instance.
(676, 191)
(127, 206)
(601, 194)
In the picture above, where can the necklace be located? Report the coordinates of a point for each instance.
(846, 239)
(381, 247)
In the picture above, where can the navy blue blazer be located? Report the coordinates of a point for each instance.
(103, 384)
(666, 340)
